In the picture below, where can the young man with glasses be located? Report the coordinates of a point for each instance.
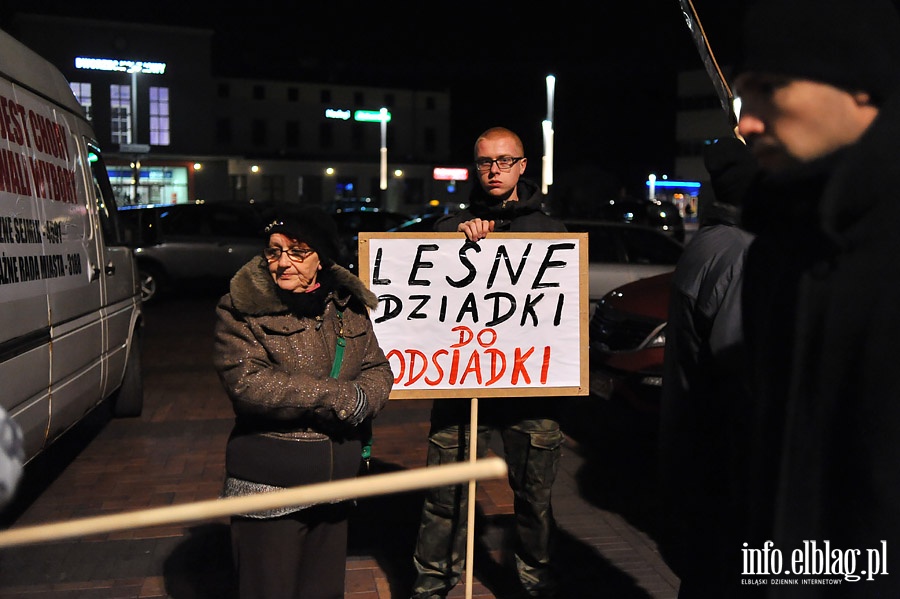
(529, 426)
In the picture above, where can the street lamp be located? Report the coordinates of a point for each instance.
(547, 162)
(547, 127)
(382, 116)
(384, 119)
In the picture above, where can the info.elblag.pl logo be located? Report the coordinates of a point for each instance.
(814, 559)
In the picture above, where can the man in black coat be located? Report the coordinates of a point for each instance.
(820, 109)
(528, 426)
(702, 382)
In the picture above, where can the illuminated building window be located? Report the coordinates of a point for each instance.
(120, 113)
(82, 93)
(159, 116)
(153, 185)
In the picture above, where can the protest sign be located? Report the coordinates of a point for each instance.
(506, 316)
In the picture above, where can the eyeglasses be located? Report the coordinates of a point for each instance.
(294, 254)
(504, 163)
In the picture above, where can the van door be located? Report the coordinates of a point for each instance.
(74, 291)
(119, 291)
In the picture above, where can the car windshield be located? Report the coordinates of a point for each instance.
(645, 247)
(418, 224)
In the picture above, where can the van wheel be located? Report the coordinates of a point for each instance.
(151, 280)
(128, 399)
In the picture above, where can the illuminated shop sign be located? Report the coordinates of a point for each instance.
(679, 184)
(446, 173)
(334, 113)
(371, 116)
(122, 66)
(363, 116)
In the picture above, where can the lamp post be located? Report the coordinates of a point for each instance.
(383, 184)
(134, 104)
(547, 127)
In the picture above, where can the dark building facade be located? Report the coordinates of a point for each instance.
(173, 131)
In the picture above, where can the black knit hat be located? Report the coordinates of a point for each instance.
(312, 226)
(851, 44)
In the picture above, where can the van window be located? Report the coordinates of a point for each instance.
(113, 230)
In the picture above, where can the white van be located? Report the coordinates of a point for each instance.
(70, 307)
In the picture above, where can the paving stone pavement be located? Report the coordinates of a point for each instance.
(603, 498)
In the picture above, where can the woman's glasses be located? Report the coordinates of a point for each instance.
(294, 254)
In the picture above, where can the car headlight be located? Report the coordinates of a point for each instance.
(658, 339)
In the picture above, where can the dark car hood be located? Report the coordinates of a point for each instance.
(644, 297)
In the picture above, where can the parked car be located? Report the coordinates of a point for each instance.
(351, 222)
(627, 342)
(191, 243)
(659, 214)
(422, 223)
(620, 253)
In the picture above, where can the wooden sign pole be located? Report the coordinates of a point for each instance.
(470, 529)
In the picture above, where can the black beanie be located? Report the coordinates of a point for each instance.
(312, 226)
(850, 44)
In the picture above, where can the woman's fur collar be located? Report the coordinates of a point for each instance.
(254, 292)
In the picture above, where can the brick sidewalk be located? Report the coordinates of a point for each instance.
(174, 454)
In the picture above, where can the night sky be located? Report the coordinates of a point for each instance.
(615, 64)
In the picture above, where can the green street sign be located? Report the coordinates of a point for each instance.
(370, 116)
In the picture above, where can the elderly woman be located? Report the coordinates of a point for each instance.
(296, 352)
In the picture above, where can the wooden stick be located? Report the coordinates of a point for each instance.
(470, 530)
(367, 486)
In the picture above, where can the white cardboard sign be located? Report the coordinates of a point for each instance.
(506, 316)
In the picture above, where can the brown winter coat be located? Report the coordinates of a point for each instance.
(274, 352)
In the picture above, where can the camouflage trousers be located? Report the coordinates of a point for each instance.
(532, 450)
